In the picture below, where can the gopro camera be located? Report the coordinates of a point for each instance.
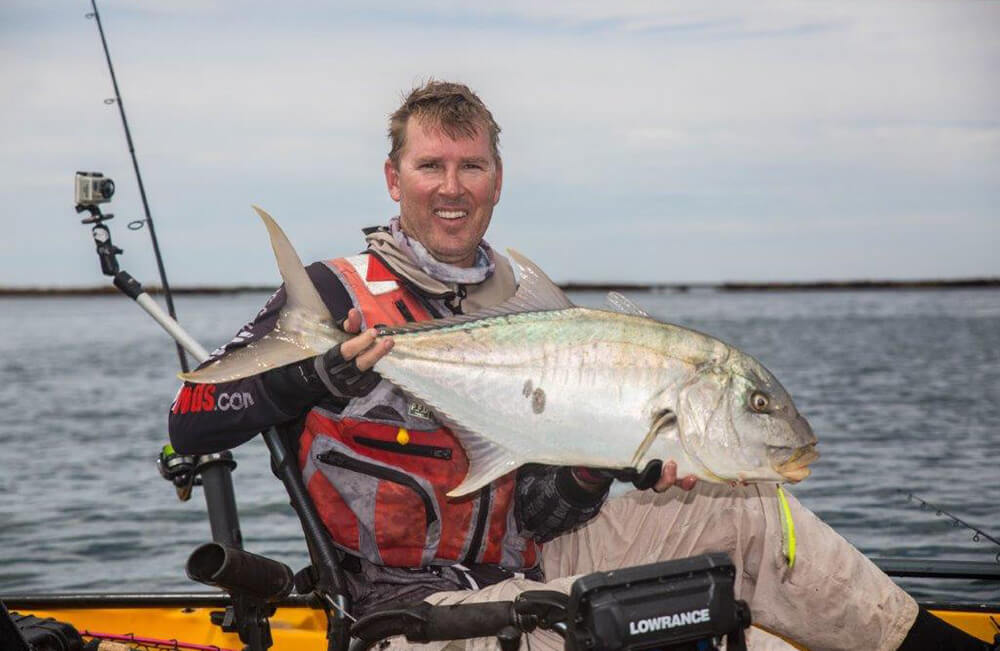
(93, 188)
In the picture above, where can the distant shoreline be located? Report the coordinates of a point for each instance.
(823, 285)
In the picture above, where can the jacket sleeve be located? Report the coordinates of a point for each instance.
(549, 502)
(207, 418)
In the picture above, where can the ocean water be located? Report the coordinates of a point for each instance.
(902, 388)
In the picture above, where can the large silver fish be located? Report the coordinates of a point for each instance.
(539, 380)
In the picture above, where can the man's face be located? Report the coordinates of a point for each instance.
(446, 190)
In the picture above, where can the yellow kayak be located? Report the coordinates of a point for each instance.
(183, 621)
(183, 627)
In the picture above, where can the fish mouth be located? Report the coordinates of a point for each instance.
(795, 467)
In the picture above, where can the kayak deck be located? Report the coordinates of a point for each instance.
(184, 621)
(292, 627)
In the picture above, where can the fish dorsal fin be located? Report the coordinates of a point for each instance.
(302, 294)
(535, 293)
(625, 305)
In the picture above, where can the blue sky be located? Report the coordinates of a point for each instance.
(642, 141)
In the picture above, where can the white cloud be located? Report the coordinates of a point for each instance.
(738, 117)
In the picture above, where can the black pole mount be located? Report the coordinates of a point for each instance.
(214, 470)
(106, 250)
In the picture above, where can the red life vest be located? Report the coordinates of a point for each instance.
(378, 472)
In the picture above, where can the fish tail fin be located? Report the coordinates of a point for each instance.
(304, 328)
(302, 294)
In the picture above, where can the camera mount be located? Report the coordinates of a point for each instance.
(106, 250)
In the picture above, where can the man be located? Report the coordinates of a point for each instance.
(378, 465)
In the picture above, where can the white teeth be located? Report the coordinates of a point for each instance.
(450, 214)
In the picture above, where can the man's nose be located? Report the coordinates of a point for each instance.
(450, 185)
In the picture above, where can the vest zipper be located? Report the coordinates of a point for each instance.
(482, 519)
(405, 311)
(341, 460)
(415, 449)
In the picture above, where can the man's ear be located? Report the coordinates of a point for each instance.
(499, 183)
(392, 180)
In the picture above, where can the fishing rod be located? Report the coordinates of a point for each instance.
(138, 177)
(978, 534)
(93, 189)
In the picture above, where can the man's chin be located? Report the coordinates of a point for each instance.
(458, 256)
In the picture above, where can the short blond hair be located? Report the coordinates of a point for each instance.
(452, 107)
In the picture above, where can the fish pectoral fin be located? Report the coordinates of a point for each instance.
(666, 418)
(270, 351)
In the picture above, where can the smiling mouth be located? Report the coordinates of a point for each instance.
(450, 214)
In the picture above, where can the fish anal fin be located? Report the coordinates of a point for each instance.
(475, 480)
(487, 460)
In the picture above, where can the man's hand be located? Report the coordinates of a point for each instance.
(345, 369)
(598, 479)
(668, 478)
(363, 347)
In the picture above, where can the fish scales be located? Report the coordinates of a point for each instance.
(487, 374)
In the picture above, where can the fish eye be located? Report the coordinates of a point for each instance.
(759, 401)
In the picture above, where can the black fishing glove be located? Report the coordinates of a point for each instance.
(343, 377)
(297, 386)
(602, 477)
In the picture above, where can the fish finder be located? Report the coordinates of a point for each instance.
(681, 605)
(684, 604)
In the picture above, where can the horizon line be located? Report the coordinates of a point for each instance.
(727, 286)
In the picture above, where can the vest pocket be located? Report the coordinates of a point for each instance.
(341, 460)
(386, 503)
(413, 449)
